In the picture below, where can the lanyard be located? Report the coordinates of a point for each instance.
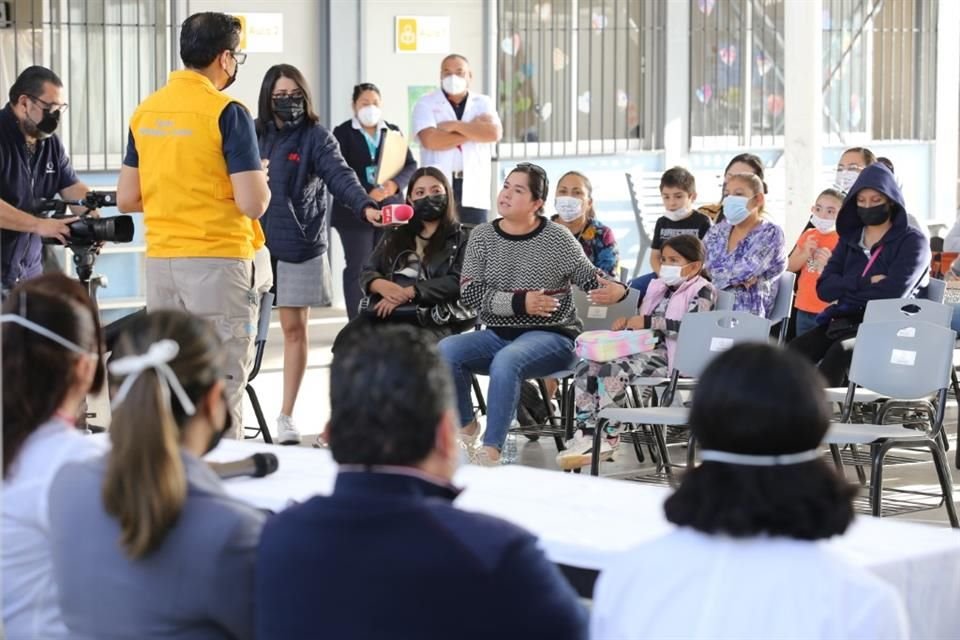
(870, 262)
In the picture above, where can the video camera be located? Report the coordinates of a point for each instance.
(88, 230)
(88, 234)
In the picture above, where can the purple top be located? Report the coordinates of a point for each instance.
(759, 255)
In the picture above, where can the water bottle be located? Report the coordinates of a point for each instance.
(510, 451)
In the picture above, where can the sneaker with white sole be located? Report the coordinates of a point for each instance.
(469, 440)
(482, 457)
(287, 431)
(579, 452)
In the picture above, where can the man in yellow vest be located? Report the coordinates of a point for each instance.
(193, 167)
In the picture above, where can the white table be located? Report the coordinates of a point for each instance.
(584, 521)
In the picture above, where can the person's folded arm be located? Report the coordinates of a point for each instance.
(904, 272)
(833, 283)
(483, 129)
(436, 139)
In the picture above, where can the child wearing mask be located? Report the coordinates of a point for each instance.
(810, 256)
(683, 287)
(678, 190)
(574, 205)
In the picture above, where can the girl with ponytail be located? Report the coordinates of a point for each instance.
(150, 518)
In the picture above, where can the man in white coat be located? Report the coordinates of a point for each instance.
(457, 130)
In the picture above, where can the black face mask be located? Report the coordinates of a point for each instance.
(233, 78)
(872, 216)
(430, 208)
(290, 108)
(227, 423)
(43, 129)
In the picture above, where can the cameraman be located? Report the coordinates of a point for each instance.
(33, 166)
(193, 167)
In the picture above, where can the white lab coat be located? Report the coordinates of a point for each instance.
(473, 158)
(691, 585)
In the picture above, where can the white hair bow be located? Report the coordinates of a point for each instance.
(157, 358)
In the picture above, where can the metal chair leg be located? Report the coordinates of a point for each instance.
(481, 403)
(662, 449)
(876, 479)
(691, 451)
(597, 441)
(946, 482)
(262, 428)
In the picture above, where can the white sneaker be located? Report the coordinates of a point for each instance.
(470, 440)
(483, 457)
(579, 452)
(287, 430)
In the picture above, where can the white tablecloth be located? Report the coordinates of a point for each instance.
(584, 521)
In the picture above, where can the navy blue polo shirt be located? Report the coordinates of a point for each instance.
(22, 182)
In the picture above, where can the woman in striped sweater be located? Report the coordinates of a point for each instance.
(517, 274)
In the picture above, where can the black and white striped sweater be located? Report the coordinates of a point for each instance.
(499, 269)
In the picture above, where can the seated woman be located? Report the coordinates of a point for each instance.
(745, 252)
(429, 252)
(740, 163)
(52, 349)
(574, 205)
(880, 255)
(682, 287)
(146, 542)
(517, 274)
(745, 561)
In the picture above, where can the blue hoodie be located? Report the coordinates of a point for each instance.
(902, 254)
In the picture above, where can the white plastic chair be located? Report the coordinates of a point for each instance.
(596, 317)
(702, 336)
(905, 359)
(783, 304)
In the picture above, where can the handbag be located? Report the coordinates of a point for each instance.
(604, 346)
(407, 312)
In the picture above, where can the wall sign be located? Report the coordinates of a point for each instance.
(422, 34)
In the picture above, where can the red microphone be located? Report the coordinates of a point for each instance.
(396, 214)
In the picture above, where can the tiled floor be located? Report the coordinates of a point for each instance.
(312, 412)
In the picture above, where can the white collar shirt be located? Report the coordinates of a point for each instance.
(472, 158)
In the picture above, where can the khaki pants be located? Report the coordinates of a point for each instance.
(222, 291)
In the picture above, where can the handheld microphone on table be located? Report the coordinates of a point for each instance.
(396, 214)
(255, 466)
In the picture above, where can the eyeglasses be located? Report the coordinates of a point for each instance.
(239, 56)
(52, 106)
(293, 94)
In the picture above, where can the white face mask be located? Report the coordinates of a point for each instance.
(823, 225)
(670, 274)
(678, 214)
(568, 208)
(369, 115)
(454, 85)
(845, 179)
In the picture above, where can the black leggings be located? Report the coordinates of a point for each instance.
(833, 356)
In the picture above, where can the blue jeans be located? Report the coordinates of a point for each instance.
(535, 354)
(805, 322)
